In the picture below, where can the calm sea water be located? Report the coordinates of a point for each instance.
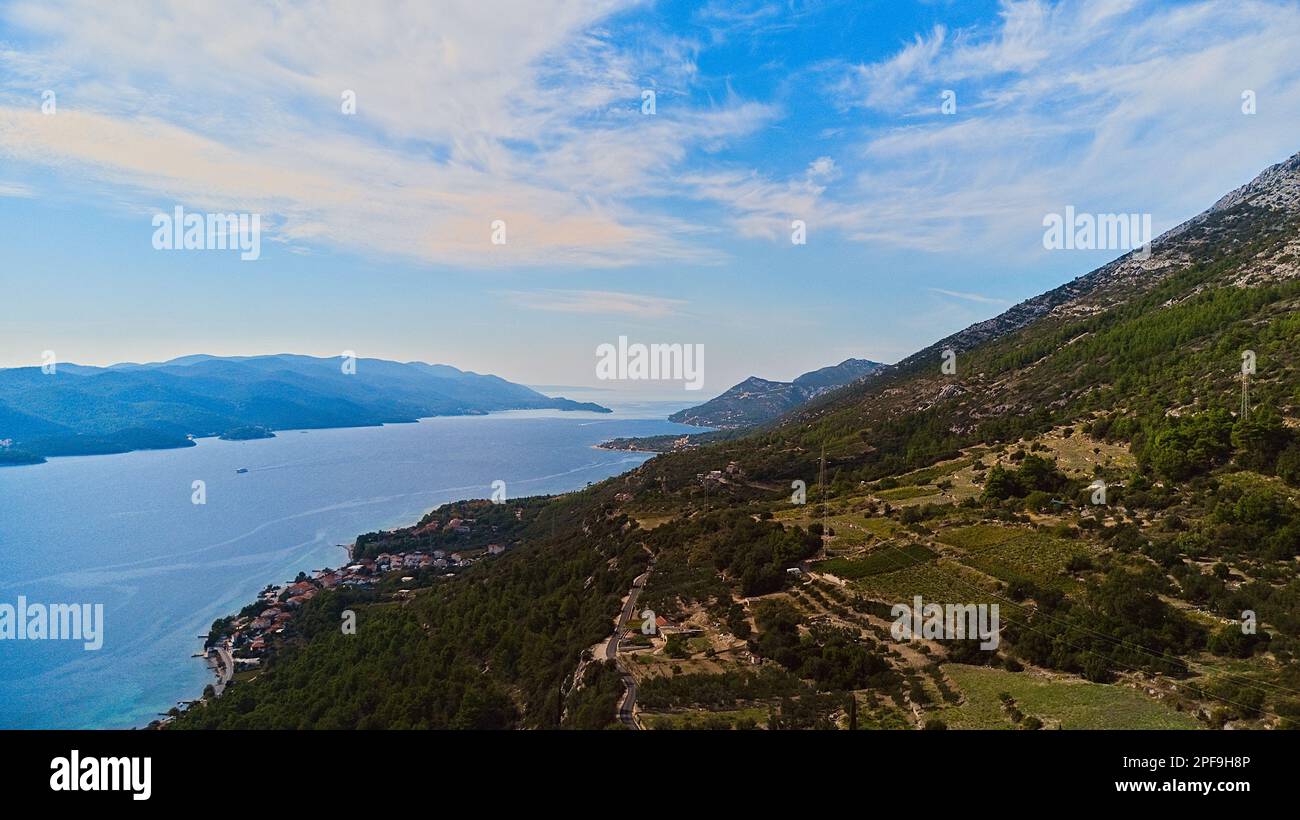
(122, 531)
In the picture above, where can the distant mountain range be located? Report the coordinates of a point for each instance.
(81, 410)
(756, 401)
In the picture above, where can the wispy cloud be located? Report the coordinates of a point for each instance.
(969, 297)
(603, 302)
(1082, 103)
(473, 112)
(465, 114)
(1059, 102)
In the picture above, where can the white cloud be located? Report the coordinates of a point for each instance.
(890, 83)
(1111, 106)
(822, 168)
(530, 113)
(969, 297)
(603, 302)
(467, 112)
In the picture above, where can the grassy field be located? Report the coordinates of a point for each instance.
(1030, 557)
(1075, 456)
(928, 475)
(978, 536)
(1067, 704)
(649, 522)
(882, 527)
(904, 493)
(851, 529)
(943, 580)
(886, 558)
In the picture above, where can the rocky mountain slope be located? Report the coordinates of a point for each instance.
(1063, 350)
(756, 401)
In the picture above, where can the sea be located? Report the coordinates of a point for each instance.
(124, 531)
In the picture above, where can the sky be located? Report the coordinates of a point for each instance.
(671, 225)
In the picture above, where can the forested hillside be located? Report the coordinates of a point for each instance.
(1089, 467)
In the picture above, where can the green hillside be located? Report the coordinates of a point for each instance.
(972, 487)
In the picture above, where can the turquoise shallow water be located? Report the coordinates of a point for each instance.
(122, 531)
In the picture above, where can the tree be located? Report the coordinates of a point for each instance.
(1259, 440)
(1001, 484)
(1288, 464)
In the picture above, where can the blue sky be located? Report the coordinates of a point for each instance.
(671, 227)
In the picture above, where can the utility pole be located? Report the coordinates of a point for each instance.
(821, 483)
(1247, 370)
(1245, 395)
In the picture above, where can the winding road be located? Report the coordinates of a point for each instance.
(628, 702)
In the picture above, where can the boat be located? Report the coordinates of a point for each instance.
(242, 470)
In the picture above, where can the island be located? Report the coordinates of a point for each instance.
(77, 410)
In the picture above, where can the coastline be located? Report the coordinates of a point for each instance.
(304, 500)
(220, 652)
(31, 459)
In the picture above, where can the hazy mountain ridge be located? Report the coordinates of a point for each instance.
(756, 401)
(81, 410)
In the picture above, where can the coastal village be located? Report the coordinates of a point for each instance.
(241, 642)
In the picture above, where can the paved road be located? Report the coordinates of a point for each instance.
(226, 668)
(625, 706)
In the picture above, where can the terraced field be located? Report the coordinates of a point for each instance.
(851, 529)
(979, 536)
(940, 580)
(1067, 704)
(882, 527)
(929, 475)
(1010, 554)
(886, 558)
(905, 493)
